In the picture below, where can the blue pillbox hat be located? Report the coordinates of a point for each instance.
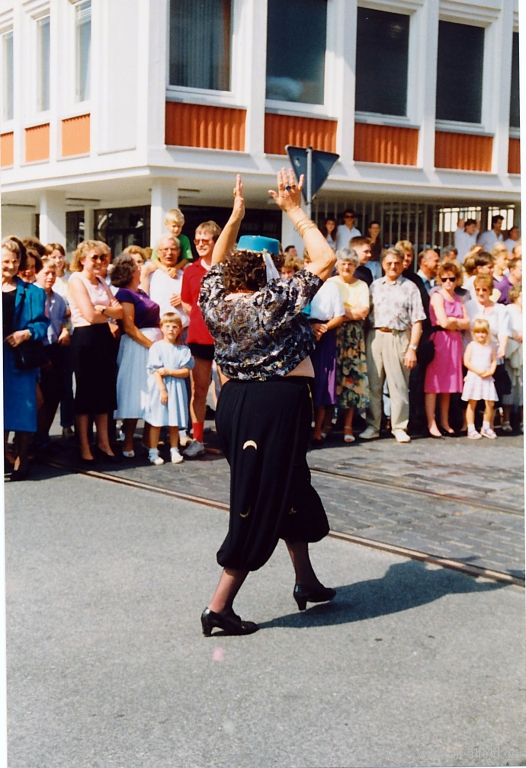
(258, 243)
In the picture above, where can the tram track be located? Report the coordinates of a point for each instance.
(458, 565)
(478, 504)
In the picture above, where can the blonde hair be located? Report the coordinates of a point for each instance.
(83, 248)
(171, 317)
(174, 215)
(486, 281)
(135, 249)
(49, 263)
(481, 326)
(291, 262)
(406, 245)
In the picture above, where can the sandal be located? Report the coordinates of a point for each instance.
(348, 436)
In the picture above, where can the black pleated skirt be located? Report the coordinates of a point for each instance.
(94, 352)
(263, 429)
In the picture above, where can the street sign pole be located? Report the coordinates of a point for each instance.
(308, 183)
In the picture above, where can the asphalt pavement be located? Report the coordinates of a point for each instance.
(410, 665)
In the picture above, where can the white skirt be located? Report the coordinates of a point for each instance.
(132, 377)
(477, 388)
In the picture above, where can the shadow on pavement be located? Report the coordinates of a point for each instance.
(404, 586)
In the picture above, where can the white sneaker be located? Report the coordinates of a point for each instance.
(369, 434)
(194, 449)
(175, 456)
(488, 432)
(154, 458)
(401, 436)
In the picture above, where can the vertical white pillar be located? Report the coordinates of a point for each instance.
(252, 73)
(165, 195)
(497, 66)
(53, 217)
(424, 36)
(89, 224)
(341, 44)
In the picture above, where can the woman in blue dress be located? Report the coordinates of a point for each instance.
(24, 318)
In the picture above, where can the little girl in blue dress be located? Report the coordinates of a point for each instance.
(169, 362)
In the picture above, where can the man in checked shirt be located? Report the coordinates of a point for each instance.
(396, 326)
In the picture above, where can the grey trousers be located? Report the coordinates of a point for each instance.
(385, 359)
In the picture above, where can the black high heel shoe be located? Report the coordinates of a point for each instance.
(303, 595)
(231, 625)
(113, 458)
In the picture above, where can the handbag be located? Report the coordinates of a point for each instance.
(29, 354)
(426, 351)
(502, 380)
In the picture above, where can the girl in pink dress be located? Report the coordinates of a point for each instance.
(444, 372)
(481, 361)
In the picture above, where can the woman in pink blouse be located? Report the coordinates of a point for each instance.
(93, 347)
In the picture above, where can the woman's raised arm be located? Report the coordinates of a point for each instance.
(228, 237)
(288, 198)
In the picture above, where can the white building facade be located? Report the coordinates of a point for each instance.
(114, 111)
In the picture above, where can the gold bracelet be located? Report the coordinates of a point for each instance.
(308, 225)
(302, 221)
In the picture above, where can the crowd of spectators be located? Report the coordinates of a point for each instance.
(429, 345)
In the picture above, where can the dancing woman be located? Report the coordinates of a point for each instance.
(263, 343)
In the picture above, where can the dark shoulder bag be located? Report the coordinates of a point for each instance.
(29, 354)
(426, 351)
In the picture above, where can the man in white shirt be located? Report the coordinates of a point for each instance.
(488, 239)
(466, 236)
(513, 238)
(346, 230)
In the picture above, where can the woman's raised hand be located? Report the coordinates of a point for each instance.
(288, 195)
(238, 209)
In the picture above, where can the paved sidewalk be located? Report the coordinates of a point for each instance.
(410, 665)
(376, 493)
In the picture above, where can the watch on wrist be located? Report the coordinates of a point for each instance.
(413, 347)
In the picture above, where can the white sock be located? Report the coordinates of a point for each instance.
(174, 451)
(486, 425)
(153, 453)
(471, 428)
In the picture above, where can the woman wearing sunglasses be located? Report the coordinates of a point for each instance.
(93, 346)
(444, 373)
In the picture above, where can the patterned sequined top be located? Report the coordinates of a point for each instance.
(262, 334)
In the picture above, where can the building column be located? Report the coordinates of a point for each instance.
(53, 217)
(290, 235)
(165, 195)
(89, 224)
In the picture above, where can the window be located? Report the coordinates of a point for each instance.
(382, 56)
(200, 44)
(515, 120)
(296, 42)
(8, 87)
(459, 72)
(43, 63)
(83, 44)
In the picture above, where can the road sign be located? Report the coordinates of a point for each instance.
(314, 164)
